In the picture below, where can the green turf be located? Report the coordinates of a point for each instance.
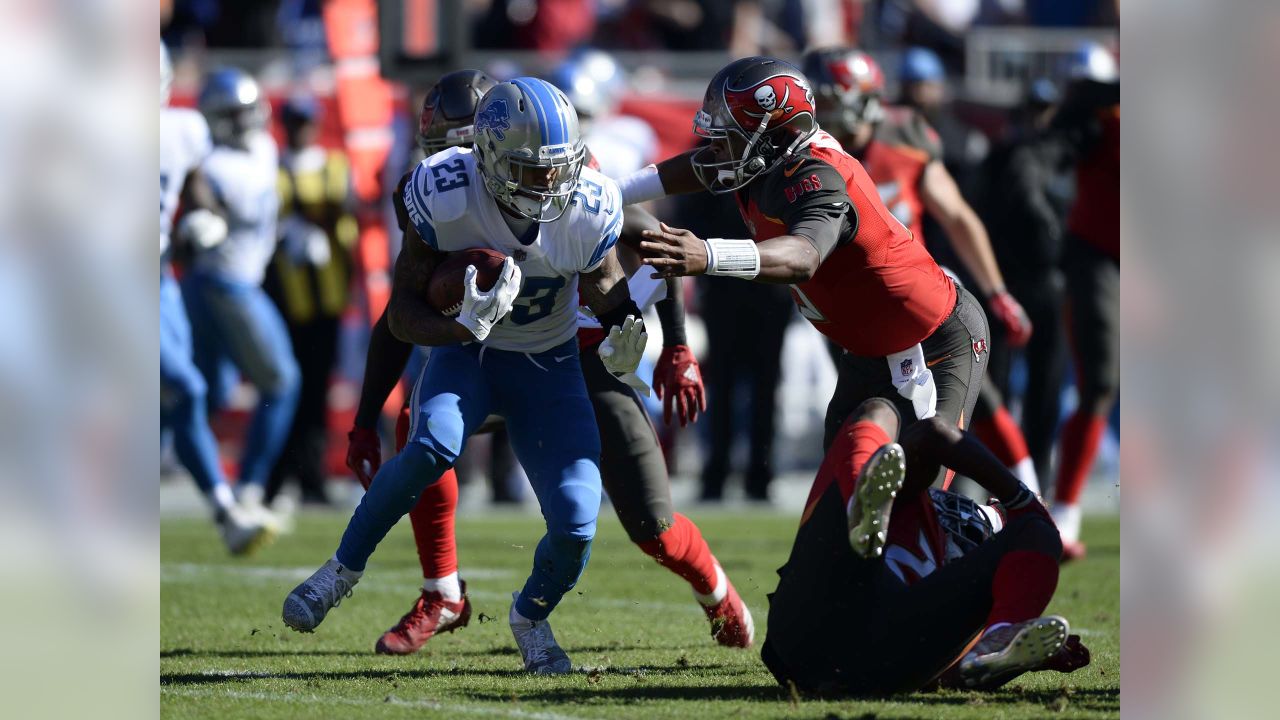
(225, 654)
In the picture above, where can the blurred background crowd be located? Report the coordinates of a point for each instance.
(343, 81)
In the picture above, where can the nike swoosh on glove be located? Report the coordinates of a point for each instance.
(621, 352)
(481, 310)
(677, 380)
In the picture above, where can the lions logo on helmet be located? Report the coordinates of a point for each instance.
(495, 118)
(529, 149)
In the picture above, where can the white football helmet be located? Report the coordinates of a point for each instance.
(529, 149)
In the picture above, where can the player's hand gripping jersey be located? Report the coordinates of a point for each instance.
(879, 291)
(447, 204)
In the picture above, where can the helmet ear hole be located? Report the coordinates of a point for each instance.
(520, 104)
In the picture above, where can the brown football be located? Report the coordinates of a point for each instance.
(445, 290)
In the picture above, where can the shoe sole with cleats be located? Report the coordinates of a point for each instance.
(1038, 641)
(878, 484)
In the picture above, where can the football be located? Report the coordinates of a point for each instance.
(445, 290)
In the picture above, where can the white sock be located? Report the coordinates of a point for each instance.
(448, 586)
(1067, 518)
(994, 516)
(222, 497)
(1025, 470)
(719, 592)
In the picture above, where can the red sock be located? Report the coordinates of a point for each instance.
(1078, 447)
(1002, 436)
(432, 520)
(1022, 587)
(854, 445)
(682, 550)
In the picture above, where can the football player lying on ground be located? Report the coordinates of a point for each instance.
(632, 467)
(886, 596)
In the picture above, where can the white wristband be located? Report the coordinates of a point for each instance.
(642, 185)
(734, 258)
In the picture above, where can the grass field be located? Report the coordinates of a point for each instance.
(645, 645)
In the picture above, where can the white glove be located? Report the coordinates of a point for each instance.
(202, 228)
(914, 380)
(482, 310)
(621, 352)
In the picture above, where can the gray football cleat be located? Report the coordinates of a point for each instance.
(878, 484)
(542, 655)
(307, 605)
(1003, 654)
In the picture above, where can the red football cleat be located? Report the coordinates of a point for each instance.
(1073, 550)
(731, 623)
(430, 616)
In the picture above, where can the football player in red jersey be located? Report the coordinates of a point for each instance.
(911, 335)
(633, 469)
(1089, 120)
(903, 155)
(892, 584)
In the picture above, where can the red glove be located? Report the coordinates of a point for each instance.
(677, 380)
(1017, 326)
(364, 454)
(1072, 656)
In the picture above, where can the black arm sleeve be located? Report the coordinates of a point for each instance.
(384, 364)
(619, 314)
(811, 200)
(671, 314)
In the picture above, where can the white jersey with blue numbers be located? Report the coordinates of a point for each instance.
(245, 182)
(451, 210)
(184, 144)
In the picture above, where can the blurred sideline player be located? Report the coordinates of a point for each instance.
(1089, 120)
(911, 335)
(184, 144)
(237, 325)
(882, 595)
(511, 350)
(594, 83)
(633, 469)
(902, 154)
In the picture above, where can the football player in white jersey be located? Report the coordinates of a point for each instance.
(511, 350)
(594, 82)
(184, 144)
(238, 327)
(632, 467)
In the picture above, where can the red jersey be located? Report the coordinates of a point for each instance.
(896, 159)
(879, 291)
(1095, 215)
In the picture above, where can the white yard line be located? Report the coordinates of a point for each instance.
(487, 710)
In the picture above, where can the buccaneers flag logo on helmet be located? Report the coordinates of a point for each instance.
(781, 99)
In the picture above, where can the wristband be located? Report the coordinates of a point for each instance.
(733, 258)
(642, 185)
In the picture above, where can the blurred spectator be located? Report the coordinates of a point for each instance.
(924, 88)
(549, 26)
(1025, 196)
(309, 279)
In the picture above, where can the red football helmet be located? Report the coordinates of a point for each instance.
(849, 86)
(758, 113)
